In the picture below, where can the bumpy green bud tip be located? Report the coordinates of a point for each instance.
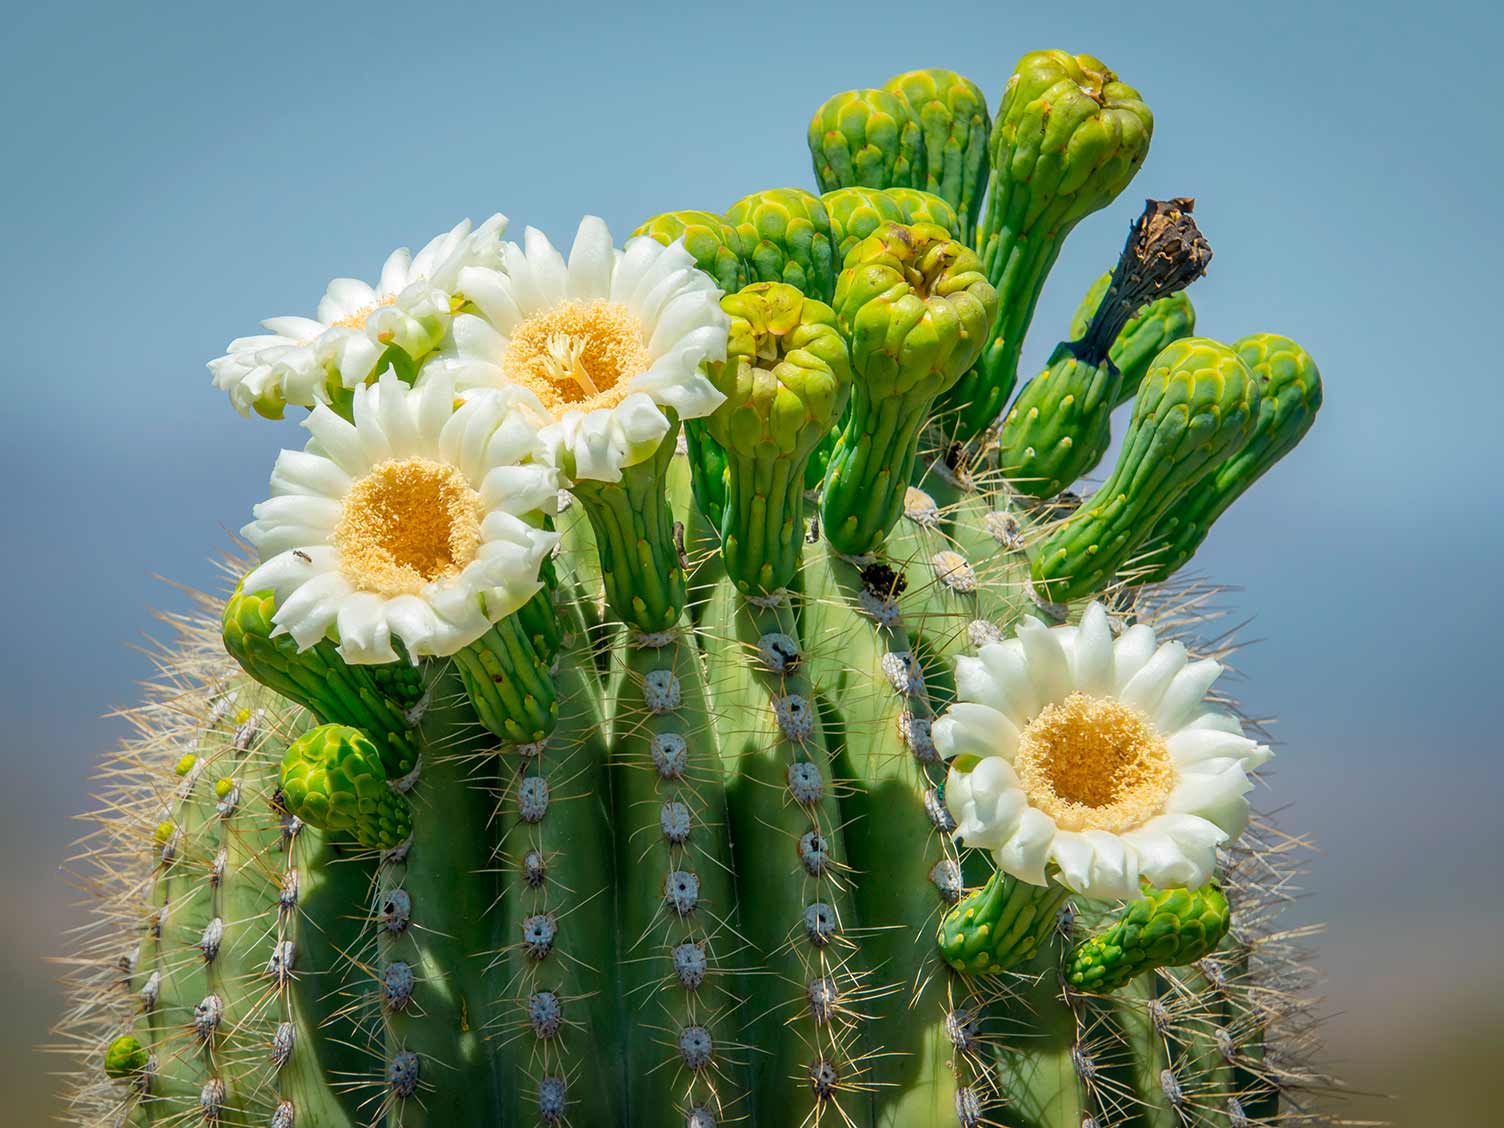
(125, 1058)
(1166, 928)
(333, 779)
(783, 235)
(954, 128)
(708, 237)
(866, 138)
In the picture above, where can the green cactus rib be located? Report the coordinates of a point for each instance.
(784, 235)
(1166, 928)
(791, 870)
(561, 1004)
(1196, 407)
(634, 537)
(866, 139)
(1067, 140)
(317, 678)
(708, 237)
(1003, 924)
(1058, 427)
(678, 916)
(913, 306)
(786, 379)
(954, 128)
(1156, 325)
(430, 900)
(878, 731)
(1290, 396)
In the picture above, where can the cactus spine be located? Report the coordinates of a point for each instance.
(819, 768)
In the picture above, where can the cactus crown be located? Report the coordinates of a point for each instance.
(832, 766)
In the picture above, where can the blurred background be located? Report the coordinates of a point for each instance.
(176, 173)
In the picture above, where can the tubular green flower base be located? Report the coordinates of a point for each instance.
(673, 843)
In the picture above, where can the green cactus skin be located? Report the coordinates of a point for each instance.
(954, 129)
(708, 237)
(627, 780)
(1158, 324)
(866, 139)
(1290, 397)
(914, 306)
(1058, 427)
(1166, 928)
(318, 679)
(1067, 139)
(783, 235)
(786, 379)
(1196, 407)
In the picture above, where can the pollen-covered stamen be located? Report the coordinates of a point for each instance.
(579, 354)
(407, 523)
(358, 319)
(1094, 764)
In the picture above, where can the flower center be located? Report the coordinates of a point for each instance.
(1091, 763)
(408, 522)
(578, 354)
(358, 319)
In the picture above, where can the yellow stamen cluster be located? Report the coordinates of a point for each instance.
(358, 319)
(579, 354)
(1092, 763)
(408, 522)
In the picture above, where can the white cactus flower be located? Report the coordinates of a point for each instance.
(303, 360)
(421, 520)
(605, 342)
(1093, 759)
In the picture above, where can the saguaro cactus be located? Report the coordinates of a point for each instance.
(831, 766)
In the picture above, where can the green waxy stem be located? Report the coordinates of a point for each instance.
(1290, 396)
(1068, 138)
(1196, 407)
(506, 675)
(708, 237)
(866, 139)
(634, 536)
(1166, 928)
(856, 213)
(954, 127)
(319, 679)
(1058, 427)
(914, 306)
(783, 235)
(1158, 324)
(125, 1058)
(1003, 924)
(786, 379)
(332, 778)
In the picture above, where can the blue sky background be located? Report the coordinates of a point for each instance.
(175, 173)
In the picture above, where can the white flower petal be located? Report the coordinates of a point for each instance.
(1146, 688)
(1185, 694)
(1133, 648)
(1049, 669)
(1092, 656)
(971, 729)
(590, 261)
(1027, 850)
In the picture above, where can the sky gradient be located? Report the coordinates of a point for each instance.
(177, 173)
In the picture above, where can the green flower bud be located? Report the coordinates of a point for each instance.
(1156, 325)
(125, 1058)
(1068, 138)
(855, 213)
(708, 237)
(1166, 928)
(317, 678)
(1196, 407)
(1290, 396)
(333, 779)
(868, 139)
(999, 926)
(506, 675)
(783, 235)
(786, 380)
(913, 305)
(954, 128)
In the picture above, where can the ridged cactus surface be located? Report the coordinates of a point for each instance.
(670, 689)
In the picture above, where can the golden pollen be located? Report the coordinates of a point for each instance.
(358, 319)
(1091, 763)
(579, 354)
(408, 522)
